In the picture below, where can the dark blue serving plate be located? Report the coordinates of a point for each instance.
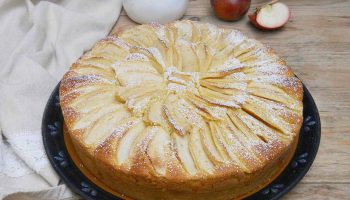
(52, 130)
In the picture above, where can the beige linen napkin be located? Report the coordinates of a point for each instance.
(38, 42)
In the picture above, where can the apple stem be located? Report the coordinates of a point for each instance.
(267, 4)
(272, 2)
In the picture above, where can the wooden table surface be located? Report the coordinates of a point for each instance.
(316, 44)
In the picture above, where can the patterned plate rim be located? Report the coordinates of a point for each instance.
(52, 131)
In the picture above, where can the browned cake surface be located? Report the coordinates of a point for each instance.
(182, 111)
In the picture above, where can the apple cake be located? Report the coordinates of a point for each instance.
(185, 110)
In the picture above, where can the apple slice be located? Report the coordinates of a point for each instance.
(271, 16)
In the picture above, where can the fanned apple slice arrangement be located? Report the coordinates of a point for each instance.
(185, 97)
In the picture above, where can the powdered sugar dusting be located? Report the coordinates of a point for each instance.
(85, 80)
(248, 44)
(177, 87)
(141, 147)
(229, 65)
(274, 68)
(188, 82)
(239, 76)
(136, 57)
(119, 42)
(172, 121)
(123, 128)
(223, 103)
(234, 38)
(290, 82)
(138, 106)
(240, 98)
(187, 112)
(96, 64)
(161, 34)
(155, 52)
(184, 29)
(227, 88)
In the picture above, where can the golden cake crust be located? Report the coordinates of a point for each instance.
(180, 111)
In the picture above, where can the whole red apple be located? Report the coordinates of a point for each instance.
(230, 10)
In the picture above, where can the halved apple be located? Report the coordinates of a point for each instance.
(271, 16)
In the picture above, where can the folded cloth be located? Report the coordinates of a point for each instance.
(39, 41)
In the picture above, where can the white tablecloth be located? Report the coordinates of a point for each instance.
(38, 42)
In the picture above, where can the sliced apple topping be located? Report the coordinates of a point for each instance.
(159, 149)
(153, 55)
(94, 99)
(273, 93)
(209, 146)
(96, 61)
(105, 126)
(184, 153)
(184, 30)
(198, 153)
(180, 114)
(94, 115)
(91, 69)
(270, 112)
(109, 50)
(230, 65)
(244, 47)
(133, 37)
(234, 37)
(204, 58)
(184, 98)
(208, 110)
(138, 98)
(218, 98)
(139, 161)
(163, 35)
(155, 113)
(136, 78)
(226, 83)
(218, 140)
(185, 49)
(184, 78)
(125, 143)
(135, 66)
